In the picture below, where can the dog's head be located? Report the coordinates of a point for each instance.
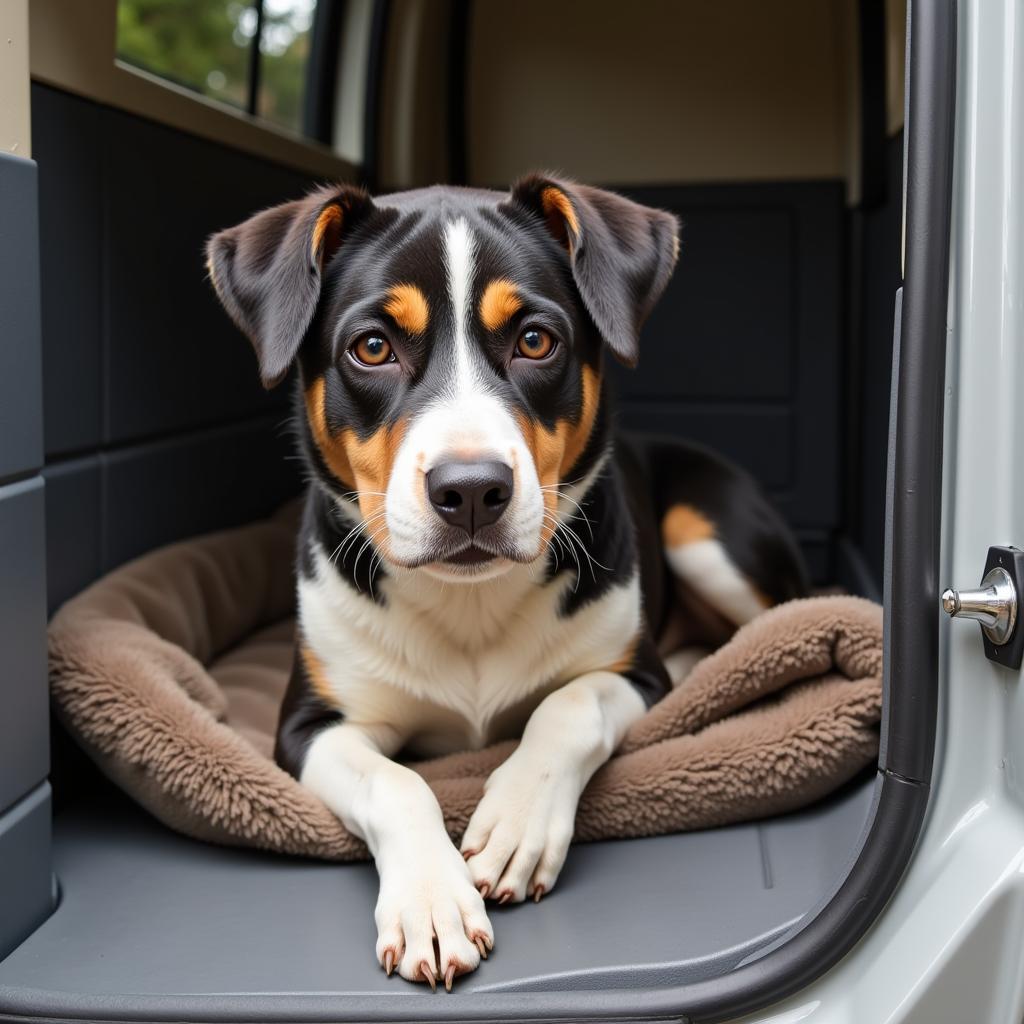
(450, 347)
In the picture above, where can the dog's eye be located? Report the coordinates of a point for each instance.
(373, 350)
(534, 343)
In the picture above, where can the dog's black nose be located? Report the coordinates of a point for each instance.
(470, 494)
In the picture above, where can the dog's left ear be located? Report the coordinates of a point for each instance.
(621, 253)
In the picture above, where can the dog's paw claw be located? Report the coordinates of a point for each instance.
(389, 961)
(427, 974)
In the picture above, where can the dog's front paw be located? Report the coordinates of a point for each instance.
(431, 921)
(519, 835)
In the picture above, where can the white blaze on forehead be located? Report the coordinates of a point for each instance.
(460, 255)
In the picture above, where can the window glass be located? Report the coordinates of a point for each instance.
(210, 46)
(284, 54)
(204, 45)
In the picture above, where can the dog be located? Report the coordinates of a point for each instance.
(482, 556)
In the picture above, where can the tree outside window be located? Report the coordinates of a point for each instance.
(250, 54)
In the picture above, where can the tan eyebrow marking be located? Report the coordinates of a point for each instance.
(499, 303)
(407, 306)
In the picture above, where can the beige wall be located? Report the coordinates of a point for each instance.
(15, 121)
(414, 120)
(661, 90)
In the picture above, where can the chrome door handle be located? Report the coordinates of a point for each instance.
(993, 604)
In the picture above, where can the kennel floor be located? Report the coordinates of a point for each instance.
(150, 920)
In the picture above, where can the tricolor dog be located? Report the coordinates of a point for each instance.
(481, 555)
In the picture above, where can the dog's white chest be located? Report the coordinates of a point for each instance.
(457, 666)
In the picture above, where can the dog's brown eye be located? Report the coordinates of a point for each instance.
(373, 350)
(534, 343)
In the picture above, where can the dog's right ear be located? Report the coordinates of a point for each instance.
(267, 271)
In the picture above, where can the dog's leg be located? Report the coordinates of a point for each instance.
(426, 892)
(519, 835)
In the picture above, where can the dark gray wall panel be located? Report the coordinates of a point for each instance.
(135, 344)
(174, 360)
(758, 438)
(818, 547)
(73, 517)
(818, 360)
(156, 424)
(752, 318)
(163, 491)
(725, 327)
(21, 420)
(66, 143)
(24, 726)
(26, 883)
(881, 276)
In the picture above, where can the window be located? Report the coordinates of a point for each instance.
(287, 30)
(250, 54)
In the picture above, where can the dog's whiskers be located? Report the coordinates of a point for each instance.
(573, 535)
(375, 563)
(363, 494)
(554, 535)
(575, 542)
(350, 538)
(555, 489)
(370, 540)
(366, 544)
(338, 554)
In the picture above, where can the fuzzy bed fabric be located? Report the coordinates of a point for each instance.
(170, 670)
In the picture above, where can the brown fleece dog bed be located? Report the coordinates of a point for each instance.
(170, 670)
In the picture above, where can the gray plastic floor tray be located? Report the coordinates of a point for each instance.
(148, 919)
